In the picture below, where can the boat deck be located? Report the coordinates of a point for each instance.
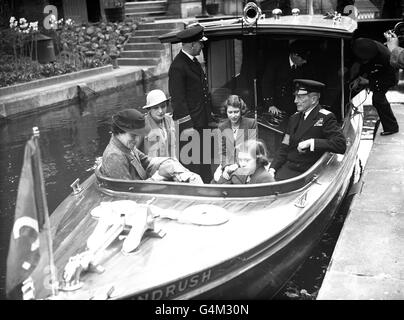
(368, 262)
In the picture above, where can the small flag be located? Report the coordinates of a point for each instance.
(28, 242)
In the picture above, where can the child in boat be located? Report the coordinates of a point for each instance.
(235, 130)
(251, 166)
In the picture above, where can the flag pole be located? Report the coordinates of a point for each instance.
(54, 282)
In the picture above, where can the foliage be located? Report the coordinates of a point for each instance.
(77, 47)
(21, 37)
(24, 69)
(15, 71)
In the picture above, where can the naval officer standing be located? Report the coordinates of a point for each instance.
(190, 101)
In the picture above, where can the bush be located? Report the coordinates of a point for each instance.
(77, 46)
(24, 69)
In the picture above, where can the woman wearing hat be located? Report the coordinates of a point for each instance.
(122, 160)
(160, 141)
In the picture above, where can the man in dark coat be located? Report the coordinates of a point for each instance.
(277, 82)
(373, 71)
(311, 131)
(190, 100)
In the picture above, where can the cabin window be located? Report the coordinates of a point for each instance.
(234, 64)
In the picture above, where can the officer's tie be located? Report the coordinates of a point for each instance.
(300, 122)
(198, 65)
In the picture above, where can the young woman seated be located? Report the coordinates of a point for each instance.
(251, 166)
(235, 130)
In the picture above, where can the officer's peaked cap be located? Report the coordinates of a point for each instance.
(305, 86)
(191, 34)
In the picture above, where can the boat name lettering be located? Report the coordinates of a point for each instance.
(177, 287)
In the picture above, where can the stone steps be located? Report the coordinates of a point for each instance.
(143, 39)
(141, 54)
(138, 61)
(155, 32)
(167, 17)
(161, 25)
(144, 47)
(145, 8)
(145, 13)
(145, 4)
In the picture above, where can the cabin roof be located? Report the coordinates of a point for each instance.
(302, 25)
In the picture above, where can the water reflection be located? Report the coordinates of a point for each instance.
(71, 137)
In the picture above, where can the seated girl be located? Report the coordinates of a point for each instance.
(252, 160)
(235, 130)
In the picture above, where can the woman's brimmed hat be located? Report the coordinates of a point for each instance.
(131, 121)
(154, 98)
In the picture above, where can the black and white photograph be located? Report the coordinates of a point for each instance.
(218, 152)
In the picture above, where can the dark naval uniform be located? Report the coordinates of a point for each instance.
(190, 101)
(375, 66)
(189, 93)
(277, 82)
(320, 125)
